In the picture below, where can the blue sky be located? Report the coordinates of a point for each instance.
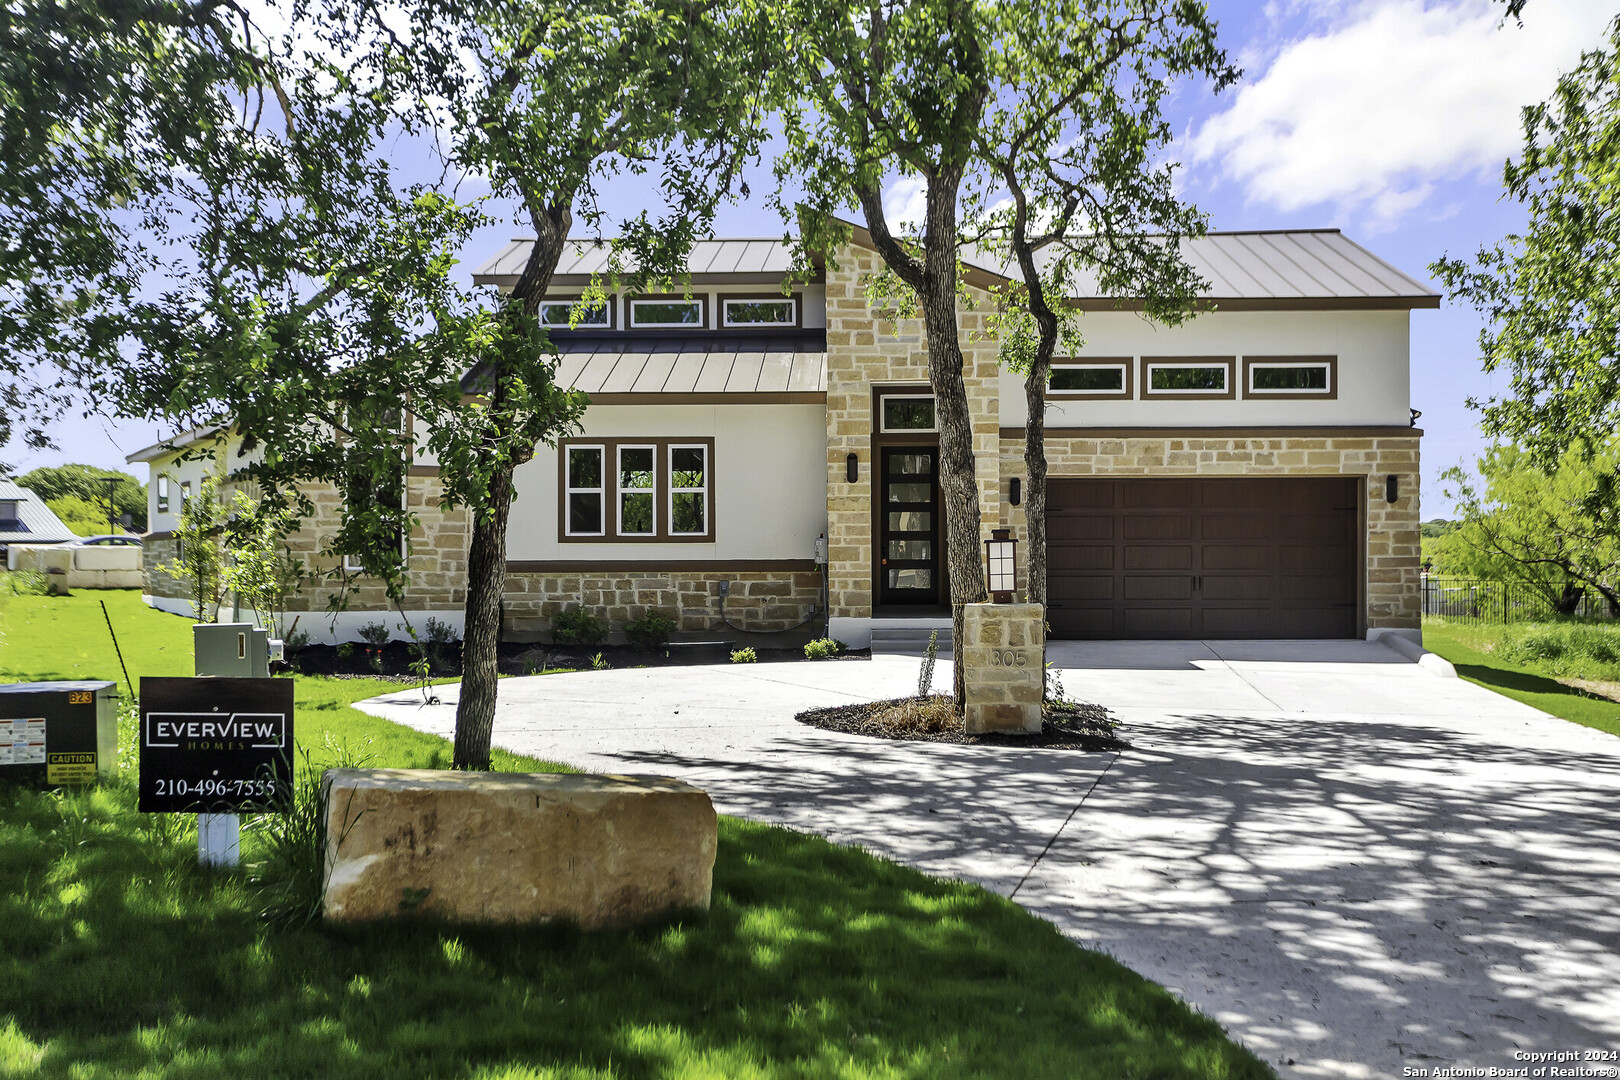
(1389, 119)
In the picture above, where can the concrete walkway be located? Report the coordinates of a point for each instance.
(1354, 865)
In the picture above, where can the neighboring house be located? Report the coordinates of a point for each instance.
(25, 519)
(1253, 473)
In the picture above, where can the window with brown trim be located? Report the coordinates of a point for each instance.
(1291, 378)
(558, 314)
(1088, 377)
(636, 490)
(669, 313)
(1189, 377)
(763, 311)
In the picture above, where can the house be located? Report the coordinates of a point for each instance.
(1250, 474)
(25, 519)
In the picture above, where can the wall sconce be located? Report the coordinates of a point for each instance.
(1392, 488)
(852, 468)
(1016, 495)
(1001, 565)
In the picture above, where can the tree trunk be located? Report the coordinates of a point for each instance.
(486, 583)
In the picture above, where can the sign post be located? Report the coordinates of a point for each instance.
(220, 743)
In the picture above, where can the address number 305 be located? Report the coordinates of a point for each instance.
(1008, 658)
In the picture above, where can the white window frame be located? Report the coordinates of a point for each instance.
(620, 492)
(568, 303)
(185, 494)
(703, 449)
(162, 495)
(1225, 390)
(698, 301)
(570, 490)
(1328, 390)
(883, 418)
(791, 302)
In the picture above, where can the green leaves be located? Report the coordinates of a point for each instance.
(1549, 295)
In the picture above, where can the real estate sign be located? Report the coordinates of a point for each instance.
(215, 745)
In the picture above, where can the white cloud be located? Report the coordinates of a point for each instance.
(1392, 96)
(905, 203)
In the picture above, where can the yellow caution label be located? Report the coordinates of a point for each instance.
(70, 768)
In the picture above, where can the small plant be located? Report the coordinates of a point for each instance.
(925, 676)
(438, 635)
(573, 625)
(345, 649)
(375, 635)
(823, 648)
(745, 656)
(599, 664)
(650, 631)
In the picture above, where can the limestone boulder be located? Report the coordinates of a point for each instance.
(515, 848)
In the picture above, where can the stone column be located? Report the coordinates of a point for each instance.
(1004, 656)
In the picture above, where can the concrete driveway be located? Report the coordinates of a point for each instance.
(1356, 866)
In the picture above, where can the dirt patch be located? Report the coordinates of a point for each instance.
(1070, 726)
(1608, 690)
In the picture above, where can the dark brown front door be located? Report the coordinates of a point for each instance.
(908, 548)
(1250, 557)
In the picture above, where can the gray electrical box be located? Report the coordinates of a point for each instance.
(58, 732)
(235, 650)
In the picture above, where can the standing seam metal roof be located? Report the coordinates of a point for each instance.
(40, 526)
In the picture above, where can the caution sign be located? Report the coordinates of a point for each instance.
(215, 745)
(70, 768)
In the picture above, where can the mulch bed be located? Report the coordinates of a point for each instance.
(392, 660)
(1070, 726)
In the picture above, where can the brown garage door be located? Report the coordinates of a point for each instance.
(1250, 557)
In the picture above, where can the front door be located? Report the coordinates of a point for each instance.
(909, 548)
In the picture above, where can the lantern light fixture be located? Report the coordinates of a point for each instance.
(852, 468)
(1392, 488)
(1016, 494)
(1001, 565)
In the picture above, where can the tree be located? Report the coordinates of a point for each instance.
(200, 558)
(89, 484)
(948, 91)
(1072, 190)
(1551, 296)
(1557, 534)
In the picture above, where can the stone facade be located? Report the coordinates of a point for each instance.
(865, 350)
(1393, 549)
(1004, 666)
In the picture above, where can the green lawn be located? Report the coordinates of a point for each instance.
(119, 958)
(1469, 648)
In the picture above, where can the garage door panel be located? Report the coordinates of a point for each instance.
(1140, 622)
(1078, 527)
(1272, 557)
(1158, 527)
(1176, 557)
(1159, 587)
(1077, 557)
(1238, 557)
(1151, 494)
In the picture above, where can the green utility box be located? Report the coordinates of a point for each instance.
(240, 650)
(58, 732)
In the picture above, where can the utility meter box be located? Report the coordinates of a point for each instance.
(234, 650)
(58, 732)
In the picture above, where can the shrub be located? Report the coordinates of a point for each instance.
(650, 631)
(573, 625)
(925, 674)
(26, 583)
(437, 636)
(376, 635)
(599, 664)
(745, 656)
(823, 648)
(1580, 649)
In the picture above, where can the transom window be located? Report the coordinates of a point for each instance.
(1290, 376)
(1091, 378)
(759, 311)
(1187, 376)
(907, 412)
(637, 489)
(558, 314)
(667, 312)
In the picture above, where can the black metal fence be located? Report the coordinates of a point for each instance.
(1466, 599)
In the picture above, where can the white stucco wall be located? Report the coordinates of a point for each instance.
(1372, 347)
(178, 472)
(769, 483)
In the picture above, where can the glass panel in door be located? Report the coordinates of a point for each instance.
(909, 545)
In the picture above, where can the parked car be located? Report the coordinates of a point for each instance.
(107, 540)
